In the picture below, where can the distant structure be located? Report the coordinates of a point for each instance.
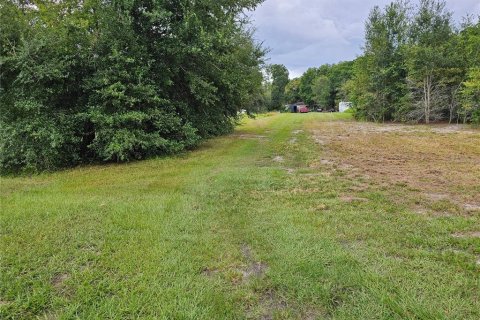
(344, 106)
(299, 107)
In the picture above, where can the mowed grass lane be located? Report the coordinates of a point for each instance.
(252, 225)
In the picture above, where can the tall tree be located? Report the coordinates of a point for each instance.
(471, 97)
(339, 74)
(322, 88)
(279, 74)
(305, 87)
(430, 33)
(469, 39)
(382, 71)
(292, 91)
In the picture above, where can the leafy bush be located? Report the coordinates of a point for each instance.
(86, 81)
(39, 142)
(136, 135)
(476, 116)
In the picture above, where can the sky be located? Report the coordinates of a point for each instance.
(308, 33)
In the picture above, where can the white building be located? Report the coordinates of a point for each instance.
(344, 106)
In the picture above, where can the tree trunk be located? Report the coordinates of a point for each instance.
(453, 103)
(425, 100)
(427, 97)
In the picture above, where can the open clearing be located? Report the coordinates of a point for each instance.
(292, 217)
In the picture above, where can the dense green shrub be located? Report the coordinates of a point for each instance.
(471, 97)
(135, 135)
(38, 142)
(86, 81)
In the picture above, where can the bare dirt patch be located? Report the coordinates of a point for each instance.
(249, 136)
(440, 162)
(278, 159)
(271, 303)
(59, 280)
(327, 162)
(268, 306)
(253, 268)
(58, 283)
(353, 199)
(472, 207)
(466, 235)
(241, 273)
(290, 170)
(319, 140)
(436, 196)
(319, 207)
(4, 303)
(209, 272)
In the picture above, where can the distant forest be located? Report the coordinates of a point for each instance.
(418, 65)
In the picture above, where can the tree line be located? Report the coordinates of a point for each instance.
(115, 80)
(417, 66)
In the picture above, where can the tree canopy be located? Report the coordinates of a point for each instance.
(279, 75)
(89, 80)
(320, 86)
(417, 65)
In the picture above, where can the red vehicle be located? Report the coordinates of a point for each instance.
(299, 107)
(302, 109)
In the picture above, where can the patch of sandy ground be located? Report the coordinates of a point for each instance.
(439, 162)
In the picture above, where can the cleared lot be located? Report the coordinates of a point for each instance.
(439, 162)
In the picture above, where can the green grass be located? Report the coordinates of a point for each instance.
(229, 232)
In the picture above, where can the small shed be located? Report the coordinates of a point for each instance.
(299, 107)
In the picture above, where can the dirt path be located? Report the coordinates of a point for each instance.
(265, 223)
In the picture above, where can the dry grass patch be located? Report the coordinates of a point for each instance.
(473, 234)
(441, 162)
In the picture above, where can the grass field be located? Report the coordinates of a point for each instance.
(291, 217)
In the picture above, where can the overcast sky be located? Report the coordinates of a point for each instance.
(309, 33)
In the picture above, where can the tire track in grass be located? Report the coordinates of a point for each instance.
(223, 232)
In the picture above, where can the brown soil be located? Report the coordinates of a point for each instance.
(4, 303)
(249, 136)
(254, 268)
(59, 279)
(353, 199)
(473, 234)
(278, 159)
